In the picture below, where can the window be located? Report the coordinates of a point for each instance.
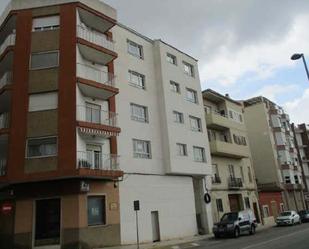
(287, 179)
(178, 117)
(296, 179)
(249, 175)
(46, 23)
(266, 211)
(93, 113)
(240, 140)
(236, 116)
(96, 210)
(44, 60)
(139, 113)
(43, 101)
(247, 202)
(171, 58)
(242, 173)
(136, 79)
(174, 87)
(191, 96)
(182, 150)
(216, 176)
(188, 69)
(231, 171)
(141, 149)
(219, 205)
(41, 147)
(199, 154)
(135, 49)
(94, 156)
(195, 124)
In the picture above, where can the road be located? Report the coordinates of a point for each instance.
(296, 237)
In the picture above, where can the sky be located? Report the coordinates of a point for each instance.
(243, 46)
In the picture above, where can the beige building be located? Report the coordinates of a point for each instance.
(274, 154)
(234, 186)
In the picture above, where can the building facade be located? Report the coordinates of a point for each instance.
(274, 157)
(301, 135)
(233, 181)
(94, 116)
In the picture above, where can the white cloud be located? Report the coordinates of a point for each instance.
(299, 108)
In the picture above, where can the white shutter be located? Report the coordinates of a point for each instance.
(45, 101)
(49, 21)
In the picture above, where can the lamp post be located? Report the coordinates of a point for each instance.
(297, 57)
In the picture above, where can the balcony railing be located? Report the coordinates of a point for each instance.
(4, 120)
(9, 41)
(91, 73)
(96, 116)
(235, 182)
(95, 37)
(216, 179)
(97, 161)
(6, 79)
(2, 166)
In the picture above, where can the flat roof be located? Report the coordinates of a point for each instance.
(219, 95)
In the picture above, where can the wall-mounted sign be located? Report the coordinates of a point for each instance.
(136, 206)
(7, 208)
(113, 206)
(84, 186)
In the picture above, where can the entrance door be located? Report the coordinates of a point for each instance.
(256, 212)
(155, 226)
(47, 224)
(274, 209)
(234, 203)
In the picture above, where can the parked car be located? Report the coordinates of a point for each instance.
(288, 218)
(235, 224)
(304, 215)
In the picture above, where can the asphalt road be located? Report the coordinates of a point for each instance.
(296, 237)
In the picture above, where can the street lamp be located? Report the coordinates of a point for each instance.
(297, 57)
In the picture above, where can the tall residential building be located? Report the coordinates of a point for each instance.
(70, 166)
(274, 157)
(301, 135)
(233, 181)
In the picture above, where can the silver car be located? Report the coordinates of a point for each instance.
(288, 218)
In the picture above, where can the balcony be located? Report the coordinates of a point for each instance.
(218, 121)
(4, 120)
(95, 46)
(95, 83)
(2, 166)
(97, 122)
(221, 148)
(290, 186)
(6, 79)
(9, 41)
(235, 183)
(216, 180)
(97, 161)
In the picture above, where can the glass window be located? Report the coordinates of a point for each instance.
(195, 124)
(46, 23)
(178, 117)
(247, 202)
(137, 79)
(93, 113)
(171, 58)
(182, 150)
(43, 101)
(287, 179)
(199, 154)
(191, 95)
(249, 174)
(141, 149)
(174, 87)
(139, 113)
(188, 69)
(44, 60)
(41, 147)
(135, 49)
(96, 210)
(231, 171)
(219, 205)
(266, 211)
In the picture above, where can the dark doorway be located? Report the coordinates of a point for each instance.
(47, 222)
(235, 203)
(256, 212)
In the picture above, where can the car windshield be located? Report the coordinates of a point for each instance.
(303, 212)
(229, 217)
(286, 214)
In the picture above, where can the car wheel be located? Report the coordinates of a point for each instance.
(236, 232)
(217, 236)
(252, 230)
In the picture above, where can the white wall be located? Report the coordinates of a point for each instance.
(172, 197)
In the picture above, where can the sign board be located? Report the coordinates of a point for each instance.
(136, 206)
(306, 194)
(84, 186)
(7, 208)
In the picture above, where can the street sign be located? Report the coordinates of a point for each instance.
(7, 208)
(306, 196)
(136, 206)
(136, 209)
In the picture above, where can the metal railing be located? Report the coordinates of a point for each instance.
(95, 37)
(97, 161)
(235, 182)
(9, 41)
(6, 79)
(96, 116)
(2, 166)
(91, 73)
(4, 120)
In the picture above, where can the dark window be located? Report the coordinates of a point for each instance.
(96, 211)
(219, 205)
(247, 202)
(44, 60)
(41, 147)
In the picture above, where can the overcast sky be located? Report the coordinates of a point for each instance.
(243, 46)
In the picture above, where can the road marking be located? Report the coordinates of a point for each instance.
(275, 239)
(175, 247)
(195, 244)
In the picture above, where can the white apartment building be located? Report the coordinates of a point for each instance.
(163, 142)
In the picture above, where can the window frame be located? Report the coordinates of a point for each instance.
(44, 93)
(180, 115)
(195, 94)
(137, 74)
(45, 156)
(219, 205)
(135, 154)
(266, 207)
(203, 154)
(187, 64)
(173, 58)
(173, 83)
(146, 119)
(105, 213)
(199, 123)
(184, 148)
(140, 47)
(44, 67)
(45, 28)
